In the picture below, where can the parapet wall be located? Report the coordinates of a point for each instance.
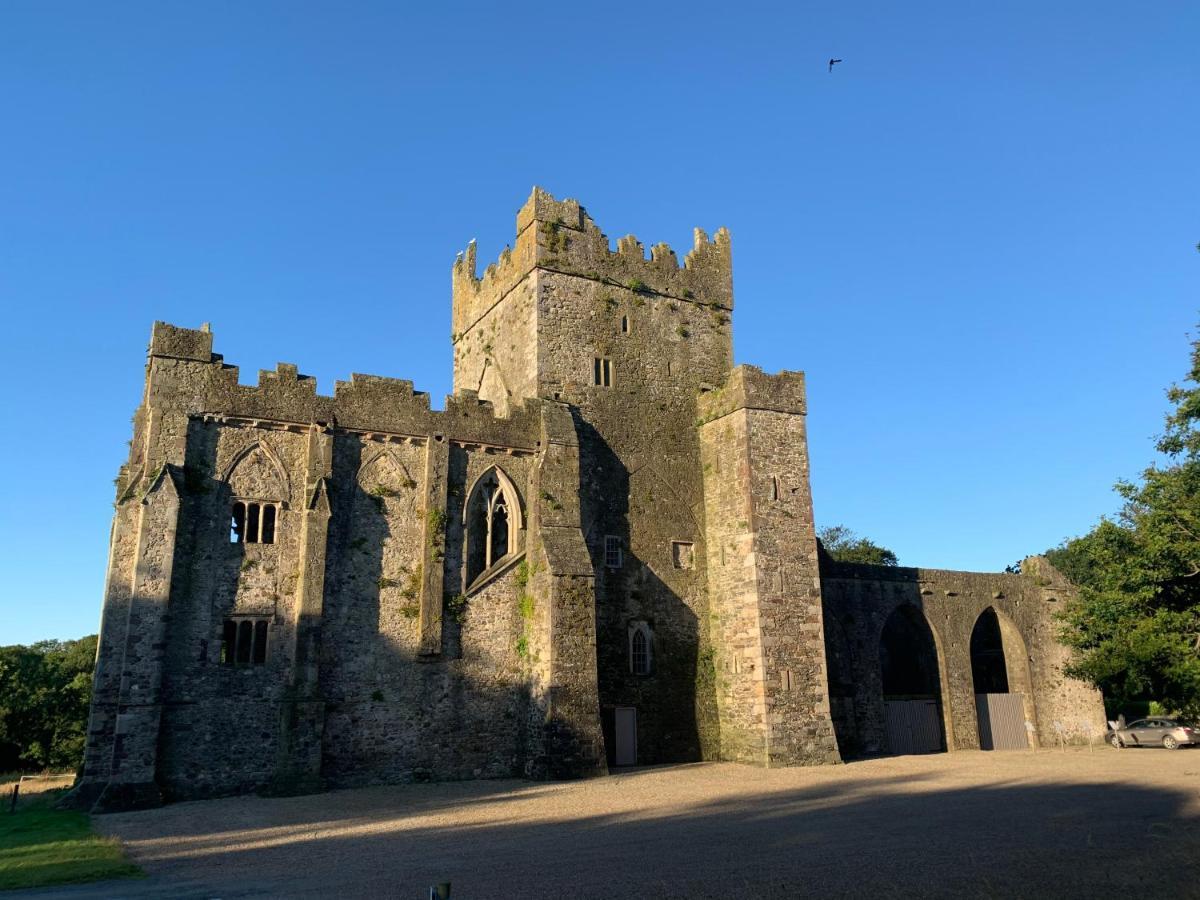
(749, 387)
(364, 403)
(558, 235)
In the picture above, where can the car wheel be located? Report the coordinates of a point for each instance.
(1170, 743)
(1116, 742)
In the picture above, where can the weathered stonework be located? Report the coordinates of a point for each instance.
(607, 517)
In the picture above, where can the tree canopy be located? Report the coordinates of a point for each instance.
(1135, 627)
(45, 690)
(845, 546)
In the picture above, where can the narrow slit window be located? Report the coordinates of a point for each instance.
(624, 324)
(260, 643)
(228, 642)
(774, 487)
(252, 511)
(237, 528)
(245, 638)
(267, 532)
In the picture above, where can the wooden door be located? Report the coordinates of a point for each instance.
(625, 726)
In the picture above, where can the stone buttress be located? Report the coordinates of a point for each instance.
(769, 659)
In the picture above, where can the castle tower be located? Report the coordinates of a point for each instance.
(634, 344)
(536, 322)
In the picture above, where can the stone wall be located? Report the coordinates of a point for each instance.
(380, 664)
(765, 585)
(858, 601)
(651, 488)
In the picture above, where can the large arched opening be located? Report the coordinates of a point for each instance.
(1003, 691)
(912, 684)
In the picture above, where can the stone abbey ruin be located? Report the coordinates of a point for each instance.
(601, 552)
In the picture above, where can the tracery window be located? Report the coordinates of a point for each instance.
(493, 523)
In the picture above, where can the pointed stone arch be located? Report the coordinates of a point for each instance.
(385, 469)
(257, 473)
(1000, 665)
(493, 525)
(914, 683)
(493, 388)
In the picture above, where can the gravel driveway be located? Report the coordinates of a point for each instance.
(967, 824)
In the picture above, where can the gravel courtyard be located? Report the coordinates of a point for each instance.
(968, 824)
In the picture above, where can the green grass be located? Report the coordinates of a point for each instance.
(40, 845)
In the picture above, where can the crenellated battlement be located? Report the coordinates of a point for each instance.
(749, 387)
(559, 236)
(186, 375)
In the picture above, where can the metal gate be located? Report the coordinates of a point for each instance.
(913, 726)
(1001, 721)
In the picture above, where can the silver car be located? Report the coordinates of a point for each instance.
(1169, 733)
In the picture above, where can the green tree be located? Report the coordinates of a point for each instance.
(1135, 627)
(845, 546)
(45, 690)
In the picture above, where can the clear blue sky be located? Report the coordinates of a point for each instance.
(977, 235)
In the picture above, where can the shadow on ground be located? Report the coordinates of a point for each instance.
(690, 831)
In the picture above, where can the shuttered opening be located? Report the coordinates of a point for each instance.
(1001, 722)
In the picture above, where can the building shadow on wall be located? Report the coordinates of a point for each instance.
(675, 700)
(393, 714)
(390, 714)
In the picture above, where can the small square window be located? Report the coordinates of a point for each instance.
(683, 554)
(613, 552)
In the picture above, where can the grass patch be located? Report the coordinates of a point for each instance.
(40, 845)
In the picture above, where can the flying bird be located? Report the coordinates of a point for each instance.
(832, 63)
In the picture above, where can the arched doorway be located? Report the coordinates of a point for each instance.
(1000, 674)
(912, 685)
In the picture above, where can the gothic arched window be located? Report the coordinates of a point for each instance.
(492, 519)
(641, 649)
(258, 489)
